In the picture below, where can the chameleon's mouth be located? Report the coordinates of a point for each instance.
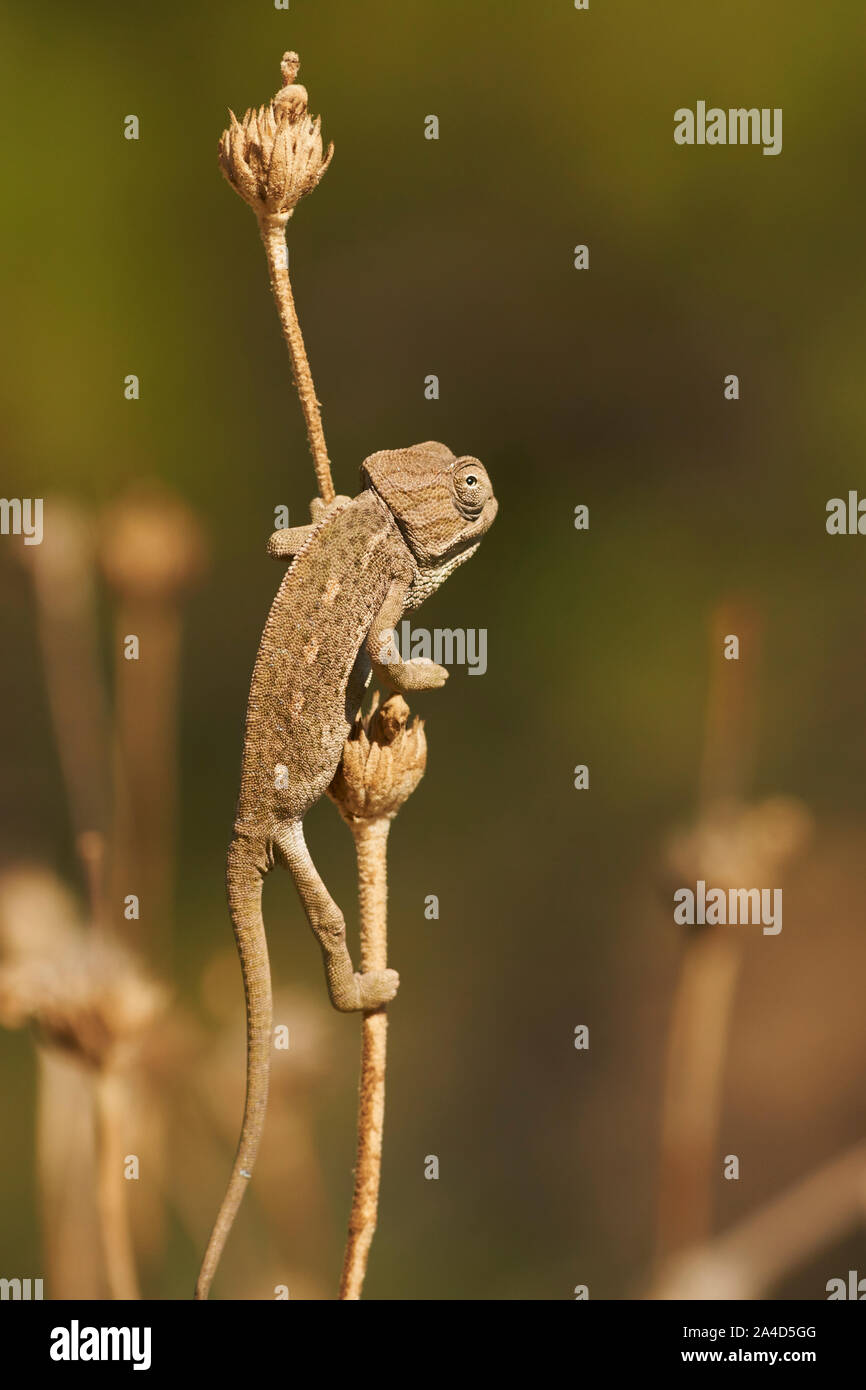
(482, 520)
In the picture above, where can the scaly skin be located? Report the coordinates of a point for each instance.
(355, 571)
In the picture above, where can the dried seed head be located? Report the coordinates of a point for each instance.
(62, 565)
(736, 845)
(89, 1000)
(292, 97)
(152, 545)
(289, 64)
(275, 156)
(383, 762)
(38, 913)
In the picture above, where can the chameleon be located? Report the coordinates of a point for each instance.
(354, 571)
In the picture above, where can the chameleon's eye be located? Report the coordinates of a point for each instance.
(471, 489)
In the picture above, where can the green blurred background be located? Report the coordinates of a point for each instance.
(605, 387)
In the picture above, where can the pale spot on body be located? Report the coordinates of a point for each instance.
(297, 703)
(311, 651)
(331, 591)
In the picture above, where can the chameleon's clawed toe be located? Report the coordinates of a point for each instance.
(319, 509)
(377, 987)
(418, 674)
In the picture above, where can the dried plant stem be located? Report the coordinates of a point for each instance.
(63, 577)
(273, 231)
(113, 1212)
(751, 1257)
(697, 1052)
(74, 1261)
(90, 845)
(371, 847)
(146, 769)
(699, 1034)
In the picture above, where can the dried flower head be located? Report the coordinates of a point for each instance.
(735, 844)
(39, 914)
(62, 565)
(383, 762)
(275, 156)
(89, 1000)
(152, 544)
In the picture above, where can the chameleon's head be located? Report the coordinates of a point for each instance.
(442, 504)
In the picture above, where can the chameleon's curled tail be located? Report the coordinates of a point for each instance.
(244, 883)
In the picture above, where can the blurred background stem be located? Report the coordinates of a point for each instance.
(697, 1042)
(74, 1257)
(145, 798)
(753, 1256)
(110, 1096)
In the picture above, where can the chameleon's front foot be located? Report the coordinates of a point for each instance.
(423, 674)
(364, 991)
(318, 508)
(416, 675)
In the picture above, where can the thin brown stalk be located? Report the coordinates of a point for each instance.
(728, 754)
(72, 1248)
(273, 232)
(91, 848)
(146, 767)
(698, 1037)
(63, 577)
(695, 1067)
(749, 1259)
(371, 846)
(152, 554)
(113, 1211)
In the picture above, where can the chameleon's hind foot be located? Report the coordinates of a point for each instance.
(377, 987)
(367, 991)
